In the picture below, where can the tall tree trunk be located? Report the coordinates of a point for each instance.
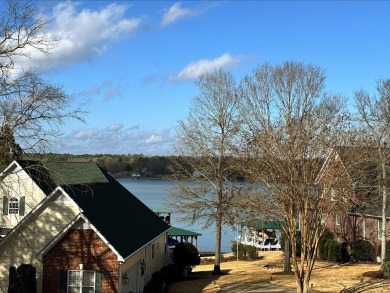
(384, 203)
(218, 234)
(287, 261)
(383, 240)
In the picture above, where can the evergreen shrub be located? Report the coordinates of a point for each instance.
(322, 252)
(363, 250)
(186, 254)
(334, 251)
(386, 269)
(387, 255)
(244, 251)
(283, 238)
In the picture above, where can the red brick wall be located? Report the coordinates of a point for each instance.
(80, 246)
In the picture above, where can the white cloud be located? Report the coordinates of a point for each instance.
(177, 12)
(174, 13)
(115, 127)
(195, 69)
(82, 34)
(85, 134)
(117, 139)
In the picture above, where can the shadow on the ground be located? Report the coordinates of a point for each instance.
(376, 281)
(202, 278)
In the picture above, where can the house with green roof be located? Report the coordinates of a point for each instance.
(79, 229)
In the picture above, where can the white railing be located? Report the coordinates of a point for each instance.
(262, 245)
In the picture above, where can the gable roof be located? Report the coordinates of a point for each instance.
(126, 222)
(121, 218)
(363, 164)
(48, 175)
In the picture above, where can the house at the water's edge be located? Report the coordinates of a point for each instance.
(78, 228)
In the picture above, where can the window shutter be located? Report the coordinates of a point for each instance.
(22, 204)
(5, 205)
(63, 281)
(98, 282)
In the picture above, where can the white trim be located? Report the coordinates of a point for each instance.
(338, 219)
(12, 166)
(364, 228)
(61, 234)
(36, 209)
(327, 162)
(367, 216)
(379, 229)
(142, 247)
(324, 165)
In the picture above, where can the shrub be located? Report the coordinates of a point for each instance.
(326, 248)
(251, 252)
(386, 269)
(387, 256)
(322, 252)
(244, 251)
(363, 250)
(345, 257)
(334, 251)
(283, 238)
(186, 254)
(241, 250)
(22, 279)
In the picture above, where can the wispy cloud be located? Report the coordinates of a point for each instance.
(118, 139)
(177, 12)
(174, 13)
(197, 68)
(82, 34)
(106, 90)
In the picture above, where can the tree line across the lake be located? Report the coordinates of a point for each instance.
(129, 165)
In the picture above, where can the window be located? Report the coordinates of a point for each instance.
(333, 194)
(338, 220)
(13, 206)
(81, 281)
(153, 249)
(379, 229)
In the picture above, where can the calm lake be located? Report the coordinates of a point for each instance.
(154, 193)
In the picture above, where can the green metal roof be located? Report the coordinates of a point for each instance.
(263, 224)
(174, 231)
(161, 210)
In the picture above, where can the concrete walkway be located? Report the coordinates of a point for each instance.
(255, 288)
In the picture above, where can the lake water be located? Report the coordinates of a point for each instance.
(154, 193)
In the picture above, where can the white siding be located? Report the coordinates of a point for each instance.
(18, 184)
(37, 231)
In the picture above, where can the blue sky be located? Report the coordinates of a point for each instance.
(132, 64)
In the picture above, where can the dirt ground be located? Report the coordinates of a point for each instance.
(327, 277)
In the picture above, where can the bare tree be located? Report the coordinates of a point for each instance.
(374, 114)
(21, 32)
(290, 125)
(31, 109)
(204, 150)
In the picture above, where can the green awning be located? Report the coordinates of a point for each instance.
(260, 224)
(174, 231)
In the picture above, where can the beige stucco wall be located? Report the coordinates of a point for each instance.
(37, 231)
(18, 184)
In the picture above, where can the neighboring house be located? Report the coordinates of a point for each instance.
(81, 229)
(353, 194)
